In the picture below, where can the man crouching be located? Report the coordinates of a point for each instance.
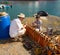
(17, 29)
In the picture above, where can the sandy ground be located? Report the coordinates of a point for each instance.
(12, 48)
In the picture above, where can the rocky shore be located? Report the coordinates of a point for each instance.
(16, 48)
(54, 21)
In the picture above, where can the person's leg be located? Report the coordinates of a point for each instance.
(14, 39)
(20, 38)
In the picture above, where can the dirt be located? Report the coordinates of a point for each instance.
(12, 48)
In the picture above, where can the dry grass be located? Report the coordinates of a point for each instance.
(53, 20)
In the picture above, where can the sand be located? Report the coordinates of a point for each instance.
(12, 48)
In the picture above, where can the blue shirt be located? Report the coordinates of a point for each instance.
(39, 23)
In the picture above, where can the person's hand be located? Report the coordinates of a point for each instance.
(25, 25)
(35, 25)
(24, 30)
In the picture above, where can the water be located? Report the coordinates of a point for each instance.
(31, 7)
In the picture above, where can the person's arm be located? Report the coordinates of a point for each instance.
(24, 25)
(21, 32)
(40, 25)
(34, 24)
(21, 29)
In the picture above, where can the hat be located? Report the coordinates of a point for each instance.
(3, 14)
(21, 15)
(37, 16)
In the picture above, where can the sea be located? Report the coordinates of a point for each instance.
(29, 8)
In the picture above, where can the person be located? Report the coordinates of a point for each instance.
(37, 23)
(50, 30)
(44, 16)
(17, 29)
(41, 15)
